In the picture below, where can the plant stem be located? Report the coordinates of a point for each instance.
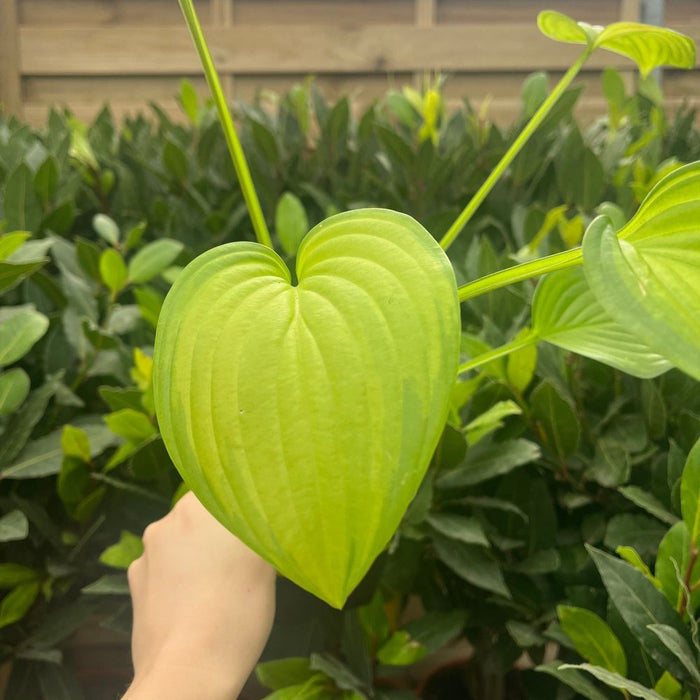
(518, 273)
(234, 145)
(515, 148)
(686, 581)
(529, 339)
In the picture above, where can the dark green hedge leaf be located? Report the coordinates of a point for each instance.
(593, 638)
(472, 563)
(640, 605)
(283, 672)
(485, 462)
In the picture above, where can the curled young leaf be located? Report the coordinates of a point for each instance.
(647, 45)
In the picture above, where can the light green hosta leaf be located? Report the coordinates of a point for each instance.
(304, 416)
(566, 313)
(648, 46)
(648, 279)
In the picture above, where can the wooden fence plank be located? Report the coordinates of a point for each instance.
(279, 49)
(10, 76)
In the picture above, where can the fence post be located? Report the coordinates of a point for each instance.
(10, 79)
(653, 12)
(222, 16)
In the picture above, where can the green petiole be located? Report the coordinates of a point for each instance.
(517, 145)
(519, 273)
(234, 145)
(528, 339)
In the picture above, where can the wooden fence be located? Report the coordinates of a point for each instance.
(84, 53)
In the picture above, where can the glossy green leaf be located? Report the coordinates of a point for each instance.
(649, 503)
(680, 648)
(14, 389)
(132, 425)
(11, 274)
(640, 604)
(12, 575)
(566, 313)
(291, 222)
(615, 680)
(690, 493)
(124, 552)
(485, 462)
(75, 443)
(458, 527)
(631, 556)
(472, 563)
(22, 208)
(435, 629)
(283, 672)
(647, 45)
(46, 181)
(400, 650)
(574, 679)
(153, 259)
(648, 276)
(113, 270)
(328, 397)
(593, 638)
(490, 420)
(556, 418)
(106, 228)
(43, 456)
(672, 561)
(668, 687)
(10, 242)
(13, 526)
(19, 333)
(16, 604)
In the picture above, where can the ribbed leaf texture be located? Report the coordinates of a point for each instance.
(304, 416)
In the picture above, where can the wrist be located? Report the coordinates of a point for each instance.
(184, 681)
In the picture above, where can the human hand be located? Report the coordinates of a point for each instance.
(203, 608)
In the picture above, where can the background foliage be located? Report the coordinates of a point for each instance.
(545, 452)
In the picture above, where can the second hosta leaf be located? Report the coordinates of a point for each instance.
(304, 416)
(566, 313)
(648, 276)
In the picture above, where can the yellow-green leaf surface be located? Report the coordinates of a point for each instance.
(648, 276)
(566, 313)
(648, 46)
(593, 638)
(304, 415)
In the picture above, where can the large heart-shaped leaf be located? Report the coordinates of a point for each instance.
(304, 416)
(648, 46)
(648, 276)
(566, 313)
